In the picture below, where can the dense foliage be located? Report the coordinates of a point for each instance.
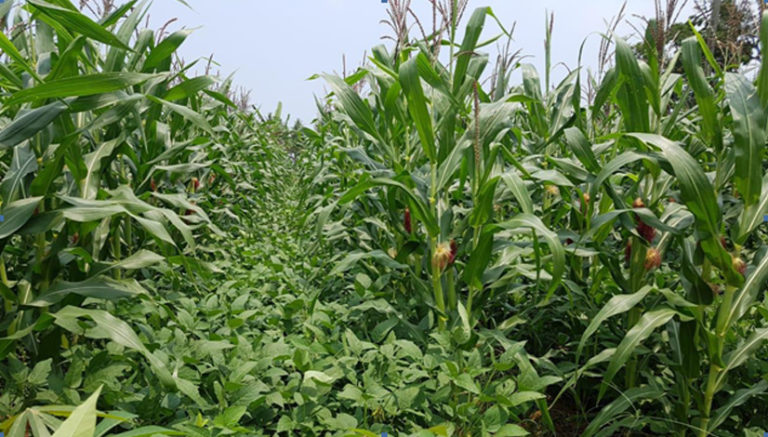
(431, 257)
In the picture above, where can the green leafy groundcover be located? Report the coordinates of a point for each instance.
(436, 255)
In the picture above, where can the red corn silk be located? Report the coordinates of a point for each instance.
(645, 230)
(407, 220)
(628, 252)
(454, 251)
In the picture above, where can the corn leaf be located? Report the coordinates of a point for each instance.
(635, 336)
(87, 85)
(749, 120)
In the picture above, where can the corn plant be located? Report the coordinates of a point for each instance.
(696, 269)
(100, 143)
(634, 184)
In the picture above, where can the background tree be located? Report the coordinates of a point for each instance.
(730, 28)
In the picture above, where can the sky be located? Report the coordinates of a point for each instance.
(274, 46)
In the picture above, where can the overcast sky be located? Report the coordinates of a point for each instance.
(273, 46)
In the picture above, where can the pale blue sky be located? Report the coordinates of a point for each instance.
(273, 46)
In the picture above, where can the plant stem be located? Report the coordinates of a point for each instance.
(450, 279)
(437, 286)
(722, 319)
(709, 394)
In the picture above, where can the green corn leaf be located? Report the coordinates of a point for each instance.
(90, 185)
(699, 291)
(99, 288)
(536, 110)
(87, 85)
(482, 210)
(632, 100)
(353, 105)
(738, 398)
(452, 163)
(116, 56)
(743, 352)
(5, 8)
(479, 260)
(704, 46)
(189, 88)
(493, 120)
(528, 221)
(24, 162)
(7, 47)
(683, 339)
(753, 216)
(78, 23)
(110, 327)
(468, 45)
(417, 107)
(16, 215)
(30, 123)
(561, 106)
(139, 260)
(619, 304)
(762, 77)
(612, 167)
(185, 112)
(118, 14)
(155, 228)
(705, 96)
(178, 223)
(605, 90)
(699, 196)
(67, 65)
(439, 80)
(519, 190)
(162, 53)
(644, 328)
(123, 110)
(182, 202)
(13, 81)
(581, 147)
(354, 258)
(626, 399)
(747, 295)
(749, 120)
(418, 207)
(149, 431)
(82, 421)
